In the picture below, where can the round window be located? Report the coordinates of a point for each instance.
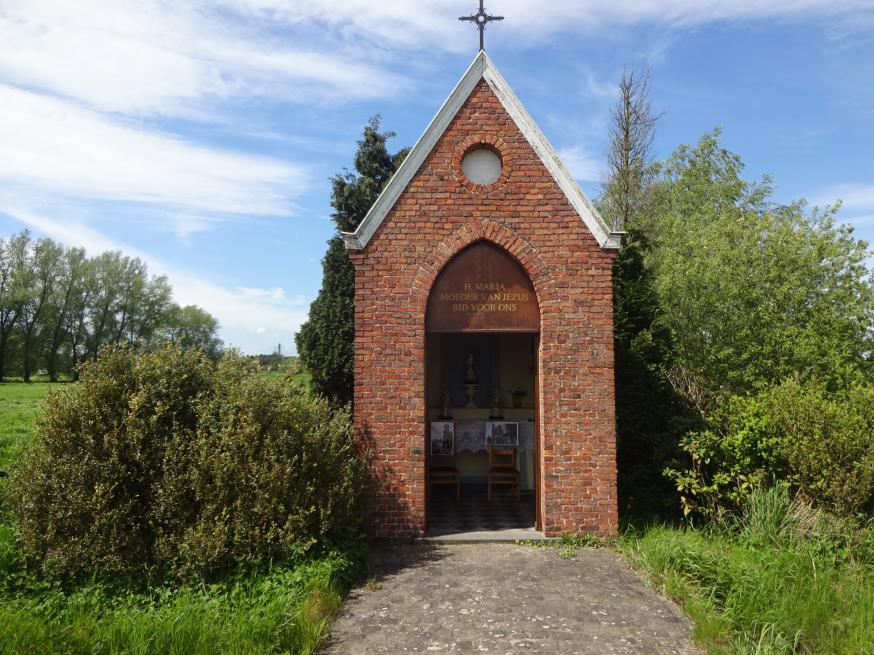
(481, 166)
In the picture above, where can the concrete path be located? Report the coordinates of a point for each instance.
(506, 599)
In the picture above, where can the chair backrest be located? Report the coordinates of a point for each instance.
(496, 455)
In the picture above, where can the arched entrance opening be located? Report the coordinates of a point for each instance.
(482, 441)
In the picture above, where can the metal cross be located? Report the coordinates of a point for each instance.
(480, 18)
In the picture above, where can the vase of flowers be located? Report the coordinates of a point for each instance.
(518, 394)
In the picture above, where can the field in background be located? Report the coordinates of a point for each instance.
(19, 405)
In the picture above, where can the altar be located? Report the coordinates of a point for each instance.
(470, 435)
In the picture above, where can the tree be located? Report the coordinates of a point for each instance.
(44, 266)
(13, 288)
(80, 309)
(648, 412)
(58, 307)
(627, 190)
(192, 327)
(751, 291)
(108, 271)
(69, 288)
(325, 340)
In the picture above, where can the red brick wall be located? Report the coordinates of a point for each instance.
(526, 213)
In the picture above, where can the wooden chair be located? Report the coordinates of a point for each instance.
(447, 475)
(502, 471)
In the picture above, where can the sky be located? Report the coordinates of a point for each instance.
(201, 136)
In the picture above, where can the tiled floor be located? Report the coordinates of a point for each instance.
(473, 513)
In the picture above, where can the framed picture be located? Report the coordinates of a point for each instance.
(442, 437)
(470, 436)
(502, 434)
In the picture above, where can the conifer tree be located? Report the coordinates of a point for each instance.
(325, 340)
(649, 414)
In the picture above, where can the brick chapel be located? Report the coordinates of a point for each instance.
(484, 383)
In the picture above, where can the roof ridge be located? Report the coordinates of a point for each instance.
(481, 68)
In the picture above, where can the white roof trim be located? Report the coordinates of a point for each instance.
(481, 68)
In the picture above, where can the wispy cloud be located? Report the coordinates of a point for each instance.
(431, 23)
(51, 144)
(857, 198)
(582, 165)
(154, 57)
(857, 207)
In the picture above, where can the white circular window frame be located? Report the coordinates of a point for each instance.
(482, 166)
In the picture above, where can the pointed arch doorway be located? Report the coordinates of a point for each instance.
(482, 338)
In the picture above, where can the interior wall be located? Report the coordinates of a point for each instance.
(502, 360)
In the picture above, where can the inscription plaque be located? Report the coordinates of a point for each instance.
(482, 289)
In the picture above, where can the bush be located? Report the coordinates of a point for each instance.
(166, 460)
(818, 442)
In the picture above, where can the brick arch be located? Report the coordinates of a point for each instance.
(473, 231)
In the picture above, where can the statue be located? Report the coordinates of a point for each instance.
(470, 374)
(471, 384)
(445, 399)
(497, 406)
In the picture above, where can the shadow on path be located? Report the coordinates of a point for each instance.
(503, 598)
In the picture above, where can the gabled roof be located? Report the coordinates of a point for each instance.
(482, 68)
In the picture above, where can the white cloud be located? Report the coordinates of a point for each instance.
(427, 24)
(581, 164)
(176, 58)
(53, 144)
(854, 196)
(155, 57)
(242, 311)
(857, 208)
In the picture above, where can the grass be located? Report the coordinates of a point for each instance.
(783, 579)
(286, 609)
(19, 405)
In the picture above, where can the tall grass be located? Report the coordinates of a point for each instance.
(287, 610)
(782, 579)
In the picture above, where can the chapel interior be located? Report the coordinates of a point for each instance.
(479, 383)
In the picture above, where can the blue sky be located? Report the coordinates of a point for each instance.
(200, 136)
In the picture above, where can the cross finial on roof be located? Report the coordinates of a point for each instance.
(480, 18)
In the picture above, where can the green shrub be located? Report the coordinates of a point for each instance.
(168, 460)
(818, 442)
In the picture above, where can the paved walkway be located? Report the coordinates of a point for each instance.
(507, 599)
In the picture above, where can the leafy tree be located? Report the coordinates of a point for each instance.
(58, 307)
(69, 289)
(770, 312)
(753, 292)
(44, 267)
(77, 325)
(108, 271)
(13, 289)
(325, 340)
(192, 327)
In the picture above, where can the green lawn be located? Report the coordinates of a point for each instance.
(19, 404)
(286, 609)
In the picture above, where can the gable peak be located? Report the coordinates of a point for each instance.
(481, 69)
